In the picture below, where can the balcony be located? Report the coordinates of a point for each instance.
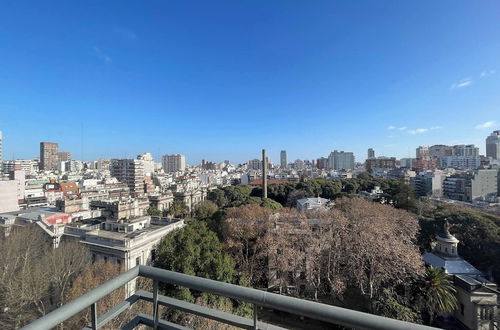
(309, 309)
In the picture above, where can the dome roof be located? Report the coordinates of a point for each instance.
(445, 236)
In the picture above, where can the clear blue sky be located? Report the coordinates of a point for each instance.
(223, 79)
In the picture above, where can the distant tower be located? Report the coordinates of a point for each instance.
(371, 153)
(283, 160)
(48, 156)
(492, 145)
(264, 174)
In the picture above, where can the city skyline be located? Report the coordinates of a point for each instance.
(165, 78)
(159, 158)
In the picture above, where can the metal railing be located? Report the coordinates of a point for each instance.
(309, 309)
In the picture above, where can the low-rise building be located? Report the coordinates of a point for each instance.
(315, 203)
(477, 295)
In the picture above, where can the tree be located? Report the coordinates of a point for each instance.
(195, 250)
(218, 196)
(264, 202)
(294, 196)
(35, 276)
(178, 209)
(93, 276)
(205, 210)
(437, 292)
(330, 189)
(154, 212)
(243, 230)
(404, 197)
(65, 264)
(379, 245)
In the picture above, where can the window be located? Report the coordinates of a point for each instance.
(138, 260)
(106, 259)
(462, 307)
(93, 257)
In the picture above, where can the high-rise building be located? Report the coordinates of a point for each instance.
(1, 146)
(48, 156)
(255, 164)
(465, 150)
(63, 156)
(131, 172)
(174, 163)
(492, 145)
(341, 160)
(422, 152)
(322, 163)
(439, 152)
(149, 164)
(371, 153)
(283, 161)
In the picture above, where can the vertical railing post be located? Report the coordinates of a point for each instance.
(254, 316)
(93, 312)
(155, 304)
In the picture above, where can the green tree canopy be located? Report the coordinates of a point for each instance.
(196, 250)
(205, 210)
(154, 212)
(178, 209)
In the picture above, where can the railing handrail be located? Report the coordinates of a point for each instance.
(74, 307)
(310, 309)
(314, 310)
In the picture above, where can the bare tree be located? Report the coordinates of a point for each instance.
(24, 281)
(243, 230)
(93, 276)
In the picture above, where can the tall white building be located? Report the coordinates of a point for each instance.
(174, 163)
(148, 163)
(492, 145)
(341, 160)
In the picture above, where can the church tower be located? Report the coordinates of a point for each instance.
(446, 242)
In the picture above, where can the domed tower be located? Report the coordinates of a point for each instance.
(446, 242)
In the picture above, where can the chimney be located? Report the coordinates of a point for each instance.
(264, 174)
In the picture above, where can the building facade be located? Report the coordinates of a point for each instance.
(63, 156)
(471, 186)
(148, 163)
(384, 163)
(131, 172)
(174, 163)
(48, 156)
(371, 153)
(283, 160)
(492, 145)
(341, 160)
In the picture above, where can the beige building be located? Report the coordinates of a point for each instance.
(174, 163)
(48, 156)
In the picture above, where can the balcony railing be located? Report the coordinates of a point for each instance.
(309, 309)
